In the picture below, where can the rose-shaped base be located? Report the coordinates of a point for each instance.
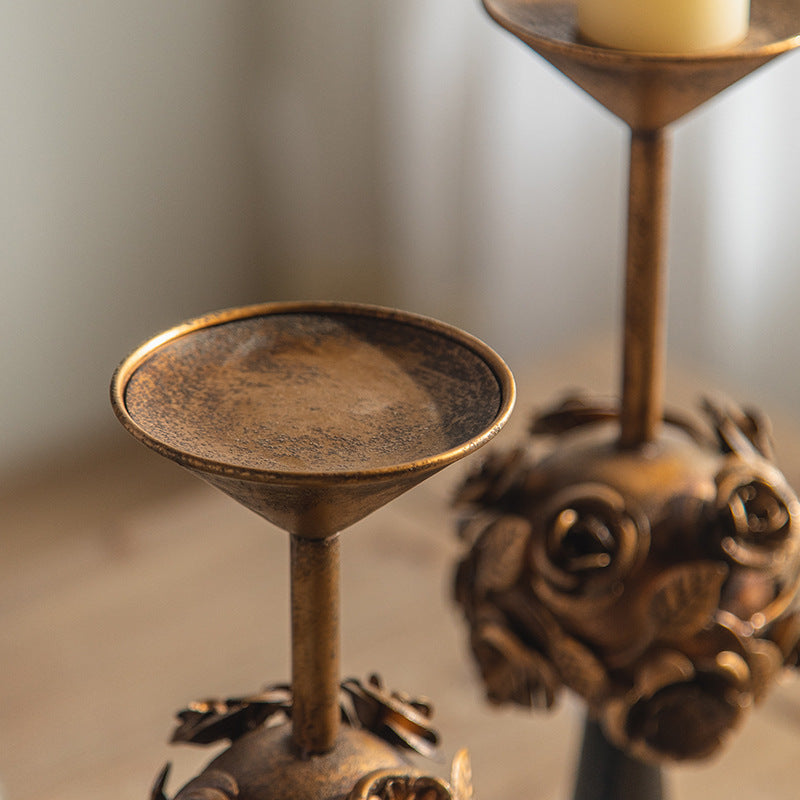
(659, 583)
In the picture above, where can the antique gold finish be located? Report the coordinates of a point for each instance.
(645, 288)
(315, 658)
(312, 415)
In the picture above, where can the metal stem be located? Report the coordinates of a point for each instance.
(645, 288)
(315, 643)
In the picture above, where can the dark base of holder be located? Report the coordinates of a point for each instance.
(606, 773)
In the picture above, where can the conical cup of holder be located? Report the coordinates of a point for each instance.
(313, 415)
(648, 91)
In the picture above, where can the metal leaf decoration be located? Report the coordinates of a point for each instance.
(579, 669)
(400, 719)
(740, 431)
(157, 792)
(500, 554)
(396, 717)
(209, 721)
(685, 598)
(512, 672)
(498, 478)
(575, 410)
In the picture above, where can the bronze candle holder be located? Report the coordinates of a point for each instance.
(313, 415)
(646, 560)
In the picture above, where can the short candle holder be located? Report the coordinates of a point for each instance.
(313, 415)
(650, 562)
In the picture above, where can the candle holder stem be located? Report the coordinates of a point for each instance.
(315, 643)
(645, 287)
(607, 773)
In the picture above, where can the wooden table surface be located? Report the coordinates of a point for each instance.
(128, 588)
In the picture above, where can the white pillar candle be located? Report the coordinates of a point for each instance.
(664, 26)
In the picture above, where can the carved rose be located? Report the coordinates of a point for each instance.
(674, 711)
(587, 543)
(685, 703)
(683, 720)
(755, 516)
(512, 672)
(388, 784)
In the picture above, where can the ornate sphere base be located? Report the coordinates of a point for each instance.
(660, 582)
(261, 765)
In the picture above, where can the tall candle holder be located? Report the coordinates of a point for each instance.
(650, 562)
(313, 416)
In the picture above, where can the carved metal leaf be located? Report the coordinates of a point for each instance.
(574, 411)
(157, 792)
(580, 669)
(499, 555)
(209, 721)
(400, 719)
(740, 431)
(686, 598)
(497, 476)
(512, 672)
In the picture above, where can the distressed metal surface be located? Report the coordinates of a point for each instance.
(263, 765)
(313, 415)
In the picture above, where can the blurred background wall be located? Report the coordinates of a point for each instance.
(160, 160)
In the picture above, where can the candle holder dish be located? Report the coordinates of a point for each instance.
(313, 415)
(649, 561)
